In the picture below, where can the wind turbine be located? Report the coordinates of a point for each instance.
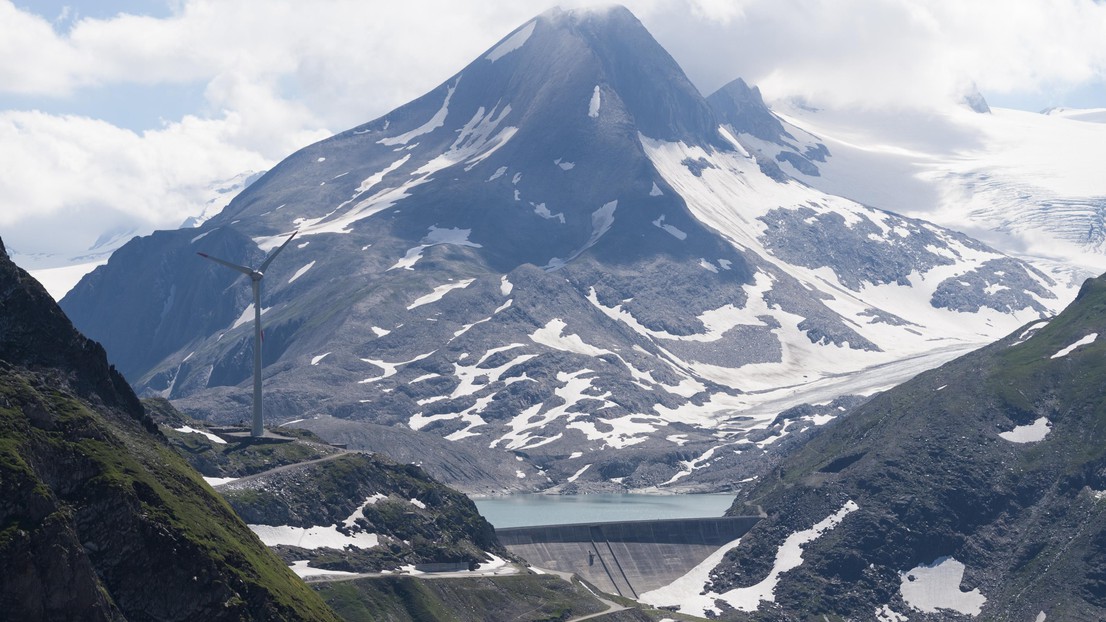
(257, 430)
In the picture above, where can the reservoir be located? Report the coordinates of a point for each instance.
(537, 509)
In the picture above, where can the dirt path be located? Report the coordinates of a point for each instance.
(280, 469)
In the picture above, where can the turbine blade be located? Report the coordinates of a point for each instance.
(242, 269)
(270, 258)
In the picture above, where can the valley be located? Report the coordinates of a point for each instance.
(824, 362)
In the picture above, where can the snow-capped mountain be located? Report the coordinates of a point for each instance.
(563, 251)
(1025, 183)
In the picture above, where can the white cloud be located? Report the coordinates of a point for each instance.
(879, 52)
(277, 75)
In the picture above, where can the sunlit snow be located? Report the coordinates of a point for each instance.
(575, 476)
(930, 587)
(676, 233)
(304, 571)
(1089, 339)
(1032, 433)
(595, 103)
(211, 437)
(313, 537)
(512, 43)
(218, 481)
(434, 123)
(247, 316)
(434, 237)
(788, 557)
(301, 272)
(438, 293)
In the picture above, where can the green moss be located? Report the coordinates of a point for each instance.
(483, 599)
(123, 465)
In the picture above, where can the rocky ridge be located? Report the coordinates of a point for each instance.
(973, 491)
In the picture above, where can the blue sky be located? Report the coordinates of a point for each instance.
(121, 115)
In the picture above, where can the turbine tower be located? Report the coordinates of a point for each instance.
(256, 430)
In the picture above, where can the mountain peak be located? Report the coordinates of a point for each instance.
(743, 108)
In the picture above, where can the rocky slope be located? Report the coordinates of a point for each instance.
(974, 491)
(564, 254)
(322, 507)
(100, 519)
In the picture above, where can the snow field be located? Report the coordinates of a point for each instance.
(247, 316)
(1032, 433)
(595, 103)
(930, 587)
(690, 591)
(313, 537)
(512, 43)
(438, 293)
(211, 437)
(302, 271)
(1089, 339)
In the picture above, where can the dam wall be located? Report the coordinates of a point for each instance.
(625, 558)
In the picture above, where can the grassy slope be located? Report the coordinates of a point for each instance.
(136, 484)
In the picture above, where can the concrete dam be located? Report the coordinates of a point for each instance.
(625, 558)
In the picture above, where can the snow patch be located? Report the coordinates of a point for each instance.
(434, 123)
(302, 570)
(676, 233)
(313, 537)
(1082, 342)
(211, 437)
(887, 614)
(247, 315)
(505, 286)
(438, 293)
(218, 481)
(541, 210)
(512, 43)
(302, 271)
(577, 474)
(360, 511)
(318, 359)
(1032, 433)
(434, 237)
(595, 103)
(788, 557)
(688, 591)
(930, 587)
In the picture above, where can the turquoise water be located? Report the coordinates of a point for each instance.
(530, 510)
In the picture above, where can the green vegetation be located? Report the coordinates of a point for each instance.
(143, 514)
(408, 599)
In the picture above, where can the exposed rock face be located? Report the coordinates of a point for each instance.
(560, 254)
(100, 520)
(415, 519)
(987, 474)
